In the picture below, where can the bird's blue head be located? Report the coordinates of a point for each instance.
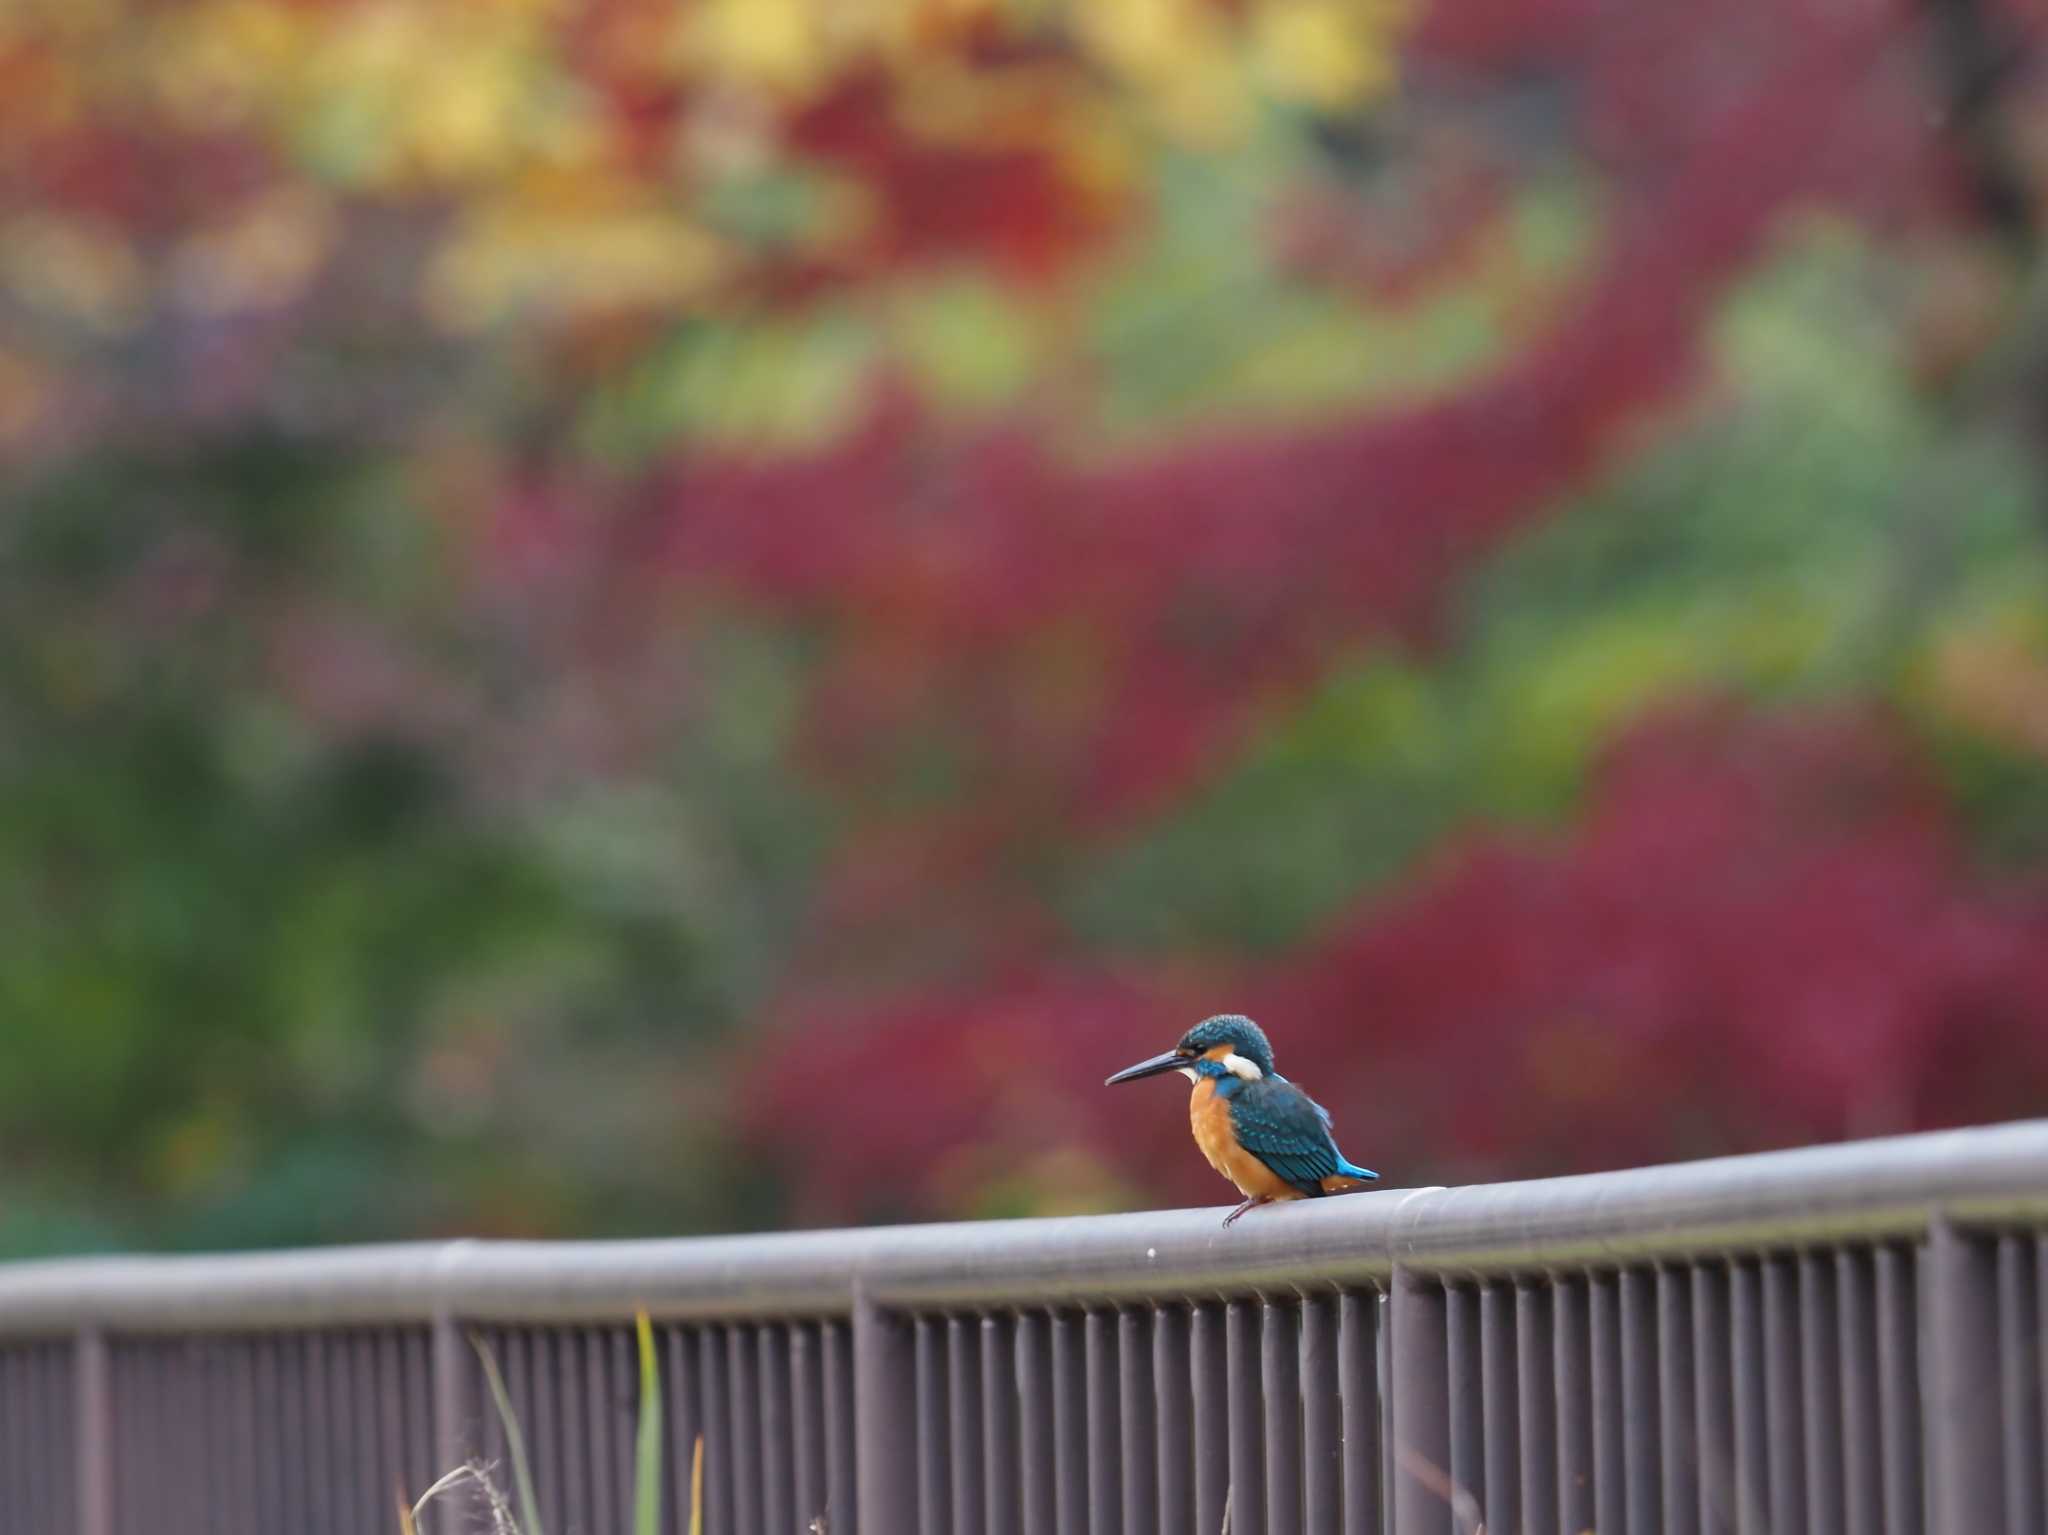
(1228, 1042)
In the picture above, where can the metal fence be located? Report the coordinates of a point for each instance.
(1843, 1339)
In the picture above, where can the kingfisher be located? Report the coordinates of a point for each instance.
(1256, 1128)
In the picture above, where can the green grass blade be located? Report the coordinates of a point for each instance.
(515, 1442)
(647, 1452)
(697, 1488)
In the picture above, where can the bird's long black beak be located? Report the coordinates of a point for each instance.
(1151, 1068)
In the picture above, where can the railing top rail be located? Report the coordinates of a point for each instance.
(1870, 1191)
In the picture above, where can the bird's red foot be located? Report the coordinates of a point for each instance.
(1252, 1203)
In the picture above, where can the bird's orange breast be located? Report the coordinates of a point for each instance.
(1210, 1116)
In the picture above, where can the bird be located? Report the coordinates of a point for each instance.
(1256, 1128)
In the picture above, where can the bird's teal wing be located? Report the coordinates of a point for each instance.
(1282, 1126)
(1322, 1113)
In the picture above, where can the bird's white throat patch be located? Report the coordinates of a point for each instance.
(1238, 1066)
(1189, 1072)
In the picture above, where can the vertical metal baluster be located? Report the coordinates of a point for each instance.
(1573, 1350)
(611, 1362)
(623, 1378)
(885, 1387)
(189, 1390)
(322, 1501)
(1172, 1377)
(558, 1393)
(999, 1426)
(1037, 1437)
(2019, 1384)
(83, 1441)
(99, 1431)
(1420, 1409)
(61, 1410)
(934, 1443)
(1610, 1402)
(149, 1482)
(19, 1435)
(461, 1416)
(56, 1390)
(18, 1450)
(1713, 1353)
(681, 1420)
(1464, 1389)
(164, 1490)
(1783, 1397)
(1358, 1372)
(2040, 1355)
(136, 1431)
(320, 1468)
(579, 1410)
(564, 1383)
(1963, 1389)
(963, 1396)
(373, 1483)
(1500, 1396)
(1247, 1495)
(1678, 1408)
(842, 1497)
(1280, 1379)
(390, 1400)
(196, 1381)
(808, 1413)
(1536, 1401)
(41, 1411)
(250, 1437)
(1208, 1352)
(156, 1486)
(1751, 1497)
(1642, 1403)
(79, 1425)
(53, 1394)
(1898, 1369)
(1070, 1422)
(1385, 1367)
(1820, 1367)
(294, 1495)
(34, 1430)
(421, 1432)
(51, 1385)
(523, 1359)
(1137, 1411)
(1856, 1352)
(48, 1386)
(1105, 1437)
(719, 1516)
(345, 1472)
(778, 1470)
(1322, 1418)
(743, 1421)
(134, 1423)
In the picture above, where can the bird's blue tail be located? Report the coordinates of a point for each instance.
(1349, 1170)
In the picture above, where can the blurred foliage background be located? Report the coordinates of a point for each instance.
(621, 615)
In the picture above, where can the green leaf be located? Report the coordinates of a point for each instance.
(522, 1469)
(647, 1452)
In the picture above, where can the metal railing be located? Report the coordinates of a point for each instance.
(1841, 1339)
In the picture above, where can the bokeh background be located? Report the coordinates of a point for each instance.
(674, 615)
